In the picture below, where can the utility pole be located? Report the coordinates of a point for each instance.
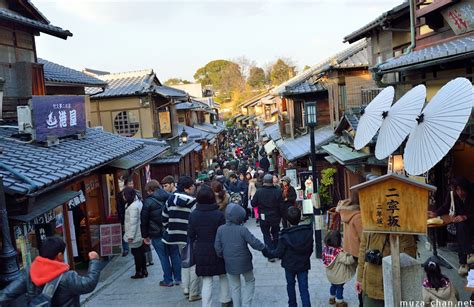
(311, 121)
(9, 268)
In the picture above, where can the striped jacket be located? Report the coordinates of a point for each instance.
(175, 218)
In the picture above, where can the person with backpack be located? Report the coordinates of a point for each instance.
(152, 227)
(48, 269)
(294, 248)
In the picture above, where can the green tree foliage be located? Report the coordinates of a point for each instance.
(306, 67)
(224, 76)
(281, 72)
(175, 81)
(256, 77)
(327, 181)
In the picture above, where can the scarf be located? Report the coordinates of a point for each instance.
(330, 254)
(427, 284)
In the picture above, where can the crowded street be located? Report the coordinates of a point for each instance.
(264, 153)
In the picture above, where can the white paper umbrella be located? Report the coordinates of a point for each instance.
(439, 126)
(400, 121)
(371, 119)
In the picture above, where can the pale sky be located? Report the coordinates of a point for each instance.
(177, 37)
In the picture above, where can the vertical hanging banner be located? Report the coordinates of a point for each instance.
(58, 116)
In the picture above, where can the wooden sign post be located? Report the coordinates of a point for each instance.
(394, 204)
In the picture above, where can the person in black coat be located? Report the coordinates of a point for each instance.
(294, 248)
(265, 163)
(47, 268)
(202, 230)
(269, 201)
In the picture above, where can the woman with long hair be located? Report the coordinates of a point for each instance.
(133, 235)
(222, 197)
(437, 289)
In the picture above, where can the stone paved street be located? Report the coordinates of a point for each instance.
(119, 290)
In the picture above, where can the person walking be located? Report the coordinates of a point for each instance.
(269, 201)
(133, 235)
(289, 197)
(294, 248)
(232, 240)
(340, 267)
(127, 182)
(45, 270)
(264, 163)
(152, 227)
(203, 224)
(222, 197)
(175, 218)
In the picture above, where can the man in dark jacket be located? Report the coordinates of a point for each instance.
(269, 201)
(48, 266)
(295, 247)
(152, 227)
(265, 163)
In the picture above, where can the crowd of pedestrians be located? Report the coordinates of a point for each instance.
(198, 231)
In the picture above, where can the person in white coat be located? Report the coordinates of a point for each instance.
(133, 235)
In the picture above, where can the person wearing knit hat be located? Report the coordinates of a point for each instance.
(269, 201)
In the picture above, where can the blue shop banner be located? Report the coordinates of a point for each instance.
(58, 116)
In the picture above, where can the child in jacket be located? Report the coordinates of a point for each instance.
(232, 240)
(437, 289)
(295, 246)
(340, 267)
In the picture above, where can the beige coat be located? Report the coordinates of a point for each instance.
(352, 220)
(342, 269)
(441, 297)
(370, 275)
(252, 188)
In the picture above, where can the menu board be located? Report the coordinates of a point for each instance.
(110, 239)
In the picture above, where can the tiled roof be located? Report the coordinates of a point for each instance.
(344, 154)
(293, 149)
(184, 149)
(170, 92)
(167, 160)
(352, 57)
(273, 131)
(186, 105)
(139, 157)
(46, 166)
(196, 134)
(306, 87)
(253, 99)
(13, 17)
(378, 22)
(210, 128)
(55, 73)
(126, 84)
(455, 47)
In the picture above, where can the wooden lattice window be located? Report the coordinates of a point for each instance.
(126, 123)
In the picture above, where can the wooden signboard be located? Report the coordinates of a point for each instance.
(394, 204)
(165, 122)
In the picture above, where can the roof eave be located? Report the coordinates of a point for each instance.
(58, 83)
(64, 34)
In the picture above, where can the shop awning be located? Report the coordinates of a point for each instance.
(139, 157)
(269, 147)
(45, 203)
(293, 149)
(344, 154)
(330, 159)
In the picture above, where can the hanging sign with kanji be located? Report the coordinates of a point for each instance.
(58, 116)
(394, 204)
